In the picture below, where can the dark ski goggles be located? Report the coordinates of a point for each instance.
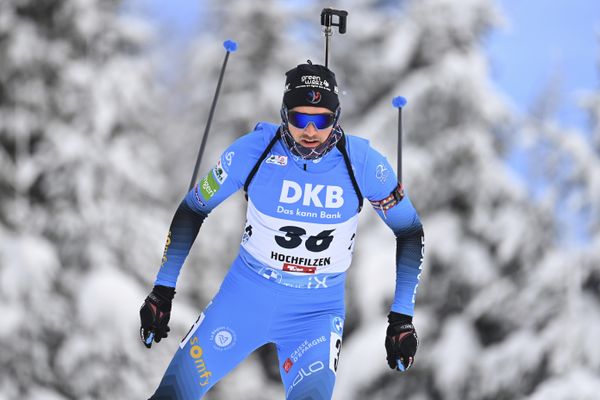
(301, 120)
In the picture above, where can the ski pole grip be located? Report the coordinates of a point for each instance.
(230, 46)
(399, 102)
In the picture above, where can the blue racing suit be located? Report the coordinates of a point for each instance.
(287, 284)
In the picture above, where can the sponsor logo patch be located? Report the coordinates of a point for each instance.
(220, 174)
(315, 283)
(209, 186)
(277, 159)
(197, 354)
(287, 365)
(299, 268)
(337, 325)
(197, 195)
(229, 157)
(304, 347)
(304, 373)
(313, 81)
(314, 97)
(382, 173)
(270, 274)
(223, 338)
(167, 244)
(321, 196)
(335, 342)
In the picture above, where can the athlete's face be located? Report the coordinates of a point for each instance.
(310, 136)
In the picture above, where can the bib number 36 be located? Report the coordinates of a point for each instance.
(293, 239)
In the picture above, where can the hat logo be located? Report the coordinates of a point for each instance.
(314, 97)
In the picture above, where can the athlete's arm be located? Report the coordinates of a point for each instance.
(397, 211)
(404, 221)
(224, 179)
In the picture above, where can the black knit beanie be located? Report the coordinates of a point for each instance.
(311, 85)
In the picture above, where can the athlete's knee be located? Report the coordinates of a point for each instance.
(312, 382)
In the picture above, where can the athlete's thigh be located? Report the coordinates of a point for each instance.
(226, 332)
(308, 357)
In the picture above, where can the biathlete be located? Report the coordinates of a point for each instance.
(305, 180)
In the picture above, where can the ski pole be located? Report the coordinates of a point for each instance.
(399, 102)
(230, 47)
(327, 21)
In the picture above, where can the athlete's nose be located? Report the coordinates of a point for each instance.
(310, 130)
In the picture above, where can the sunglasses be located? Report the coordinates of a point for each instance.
(320, 121)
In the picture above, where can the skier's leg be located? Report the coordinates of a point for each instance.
(309, 356)
(228, 330)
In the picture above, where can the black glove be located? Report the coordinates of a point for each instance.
(155, 314)
(401, 341)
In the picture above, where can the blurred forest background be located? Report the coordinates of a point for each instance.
(99, 128)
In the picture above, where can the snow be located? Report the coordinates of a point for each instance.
(363, 355)
(577, 384)
(454, 355)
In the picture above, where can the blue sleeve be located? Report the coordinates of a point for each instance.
(182, 233)
(379, 181)
(225, 178)
(230, 171)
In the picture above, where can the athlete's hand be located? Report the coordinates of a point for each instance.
(155, 314)
(401, 341)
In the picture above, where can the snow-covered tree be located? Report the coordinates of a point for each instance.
(568, 288)
(482, 232)
(80, 182)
